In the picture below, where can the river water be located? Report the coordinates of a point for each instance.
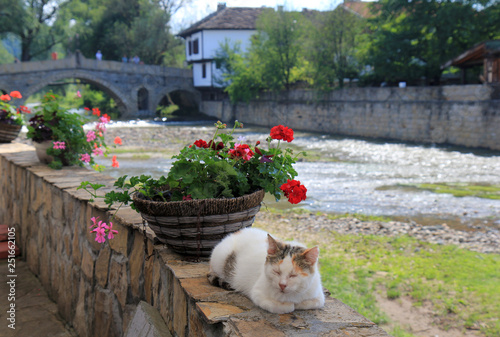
(375, 178)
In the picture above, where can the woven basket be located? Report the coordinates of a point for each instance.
(195, 227)
(9, 132)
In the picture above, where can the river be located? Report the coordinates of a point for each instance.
(375, 178)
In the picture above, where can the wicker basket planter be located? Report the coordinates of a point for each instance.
(195, 227)
(9, 132)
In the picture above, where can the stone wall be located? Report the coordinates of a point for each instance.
(467, 115)
(98, 286)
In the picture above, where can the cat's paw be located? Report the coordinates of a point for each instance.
(278, 307)
(314, 303)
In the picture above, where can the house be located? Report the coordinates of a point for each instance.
(362, 9)
(204, 38)
(485, 54)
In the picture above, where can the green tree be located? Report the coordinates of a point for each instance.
(124, 27)
(332, 48)
(277, 45)
(31, 21)
(411, 40)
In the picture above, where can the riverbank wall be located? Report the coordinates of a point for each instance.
(462, 115)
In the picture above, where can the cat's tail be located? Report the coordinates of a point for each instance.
(217, 281)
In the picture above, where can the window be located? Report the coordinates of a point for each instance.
(195, 46)
(189, 47)
(204, 70)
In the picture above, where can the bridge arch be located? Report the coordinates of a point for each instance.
(120, 97)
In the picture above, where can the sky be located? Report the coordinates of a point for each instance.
(198, 9)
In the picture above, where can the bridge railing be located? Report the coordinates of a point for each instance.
(77, 61)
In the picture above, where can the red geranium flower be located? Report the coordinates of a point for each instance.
(118, 141)
(241, 151)
(16, 94)
(294, 191)
(96, 111)
(5, 98)
(201, 143)
(282, 132)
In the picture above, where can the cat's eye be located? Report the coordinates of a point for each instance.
(277, 272)
(293, 275)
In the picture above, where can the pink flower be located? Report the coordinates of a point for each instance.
(78, 94)
(91, 136)
(111, 231)
(85, 158)
(100, 234)
(59, 145)
(97, 151)
(101, 127)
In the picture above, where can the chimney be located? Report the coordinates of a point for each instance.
(221, 6)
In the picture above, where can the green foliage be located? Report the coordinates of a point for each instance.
(32, 22)
(123, 27)
(454, 280)
(411, 40)
(333, 46)
(219, 168)
(278, 44)
(52, 122)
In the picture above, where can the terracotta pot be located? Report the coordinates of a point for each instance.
(9, 132)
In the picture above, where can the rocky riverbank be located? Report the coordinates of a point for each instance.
(308, 227)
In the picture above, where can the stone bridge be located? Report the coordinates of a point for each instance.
(136, 88)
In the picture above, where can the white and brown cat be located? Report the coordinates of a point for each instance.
(277, 276)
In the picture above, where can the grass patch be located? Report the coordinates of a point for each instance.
(479, 190)
(456, 281)
(463, 287)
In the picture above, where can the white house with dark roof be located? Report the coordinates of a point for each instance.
(204, 38)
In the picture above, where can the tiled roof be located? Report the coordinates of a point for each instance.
(226, 18)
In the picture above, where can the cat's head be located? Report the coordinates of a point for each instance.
(290, 267)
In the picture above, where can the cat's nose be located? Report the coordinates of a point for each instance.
(282, 286)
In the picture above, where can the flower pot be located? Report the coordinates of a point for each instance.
(41, 151)
(195, 227)
(9, 132)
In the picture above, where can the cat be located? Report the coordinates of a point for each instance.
(277, 276)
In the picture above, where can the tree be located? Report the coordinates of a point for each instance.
(277, 44)
(411, 40)
(31, 21)
(333, 47)
(124, 27)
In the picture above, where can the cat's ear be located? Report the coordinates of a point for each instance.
(272, 247)
(311, 255)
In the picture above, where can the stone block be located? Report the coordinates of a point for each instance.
(200, 289)
(216, 312)
(147, 322)
(88, 263)
(102, 266)
(104, 318)
(148, 274)
(136, 265)
(120, 243)
(66, 291)
(118, 279)
(261, 328)
(179, 302)
(83, 311)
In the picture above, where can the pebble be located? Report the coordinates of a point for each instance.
(485, 241)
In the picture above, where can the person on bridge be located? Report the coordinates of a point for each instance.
(98, 55)
(136, 59)
(124, 59)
